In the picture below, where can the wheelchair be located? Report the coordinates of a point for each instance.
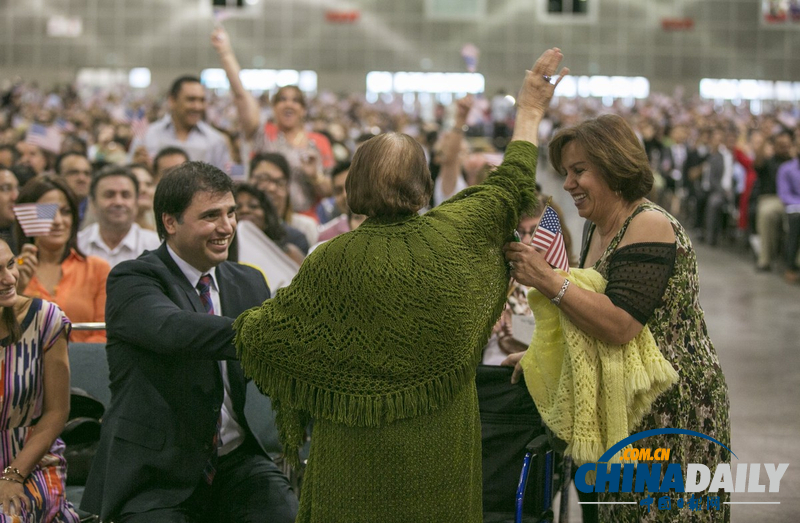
(519, 463)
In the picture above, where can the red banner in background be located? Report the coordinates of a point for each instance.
(342, 17)
(677, 24)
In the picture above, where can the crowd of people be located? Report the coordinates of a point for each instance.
(131, 173)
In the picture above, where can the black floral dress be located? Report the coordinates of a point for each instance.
(698, 402)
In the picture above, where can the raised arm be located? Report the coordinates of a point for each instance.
(535, 95)
(246, 104)
(451, 148)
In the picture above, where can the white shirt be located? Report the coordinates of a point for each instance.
(231, 434)
(132, 245)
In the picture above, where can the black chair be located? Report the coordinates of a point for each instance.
(89, 372)
(517, 457)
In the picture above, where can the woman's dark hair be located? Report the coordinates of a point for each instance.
(176, 190)
(611, 145)
(389, 177)
(11, 323)
(9, 317)
(37, 188)
(275, 159)
(272, 224)
(280, 91)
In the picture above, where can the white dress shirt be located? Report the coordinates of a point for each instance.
(231, 434)
(132, 245)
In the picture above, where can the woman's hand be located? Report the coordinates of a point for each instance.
(513, 361)
(534, 97)
(27, 263)
(221, 41)
(463, 107)
(529, 268)
(12, 497)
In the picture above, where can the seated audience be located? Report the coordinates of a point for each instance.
(8, 156)
(147, 189)
(254, 206)
(770, 211)
(270, 173)
(54, 268)
(788, 187)
(166, 159)
(336, 205)
(9, 190)
(115, 236)
(77, 173)
(35, 403)
(34, 157)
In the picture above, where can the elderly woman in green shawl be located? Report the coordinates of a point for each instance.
(379, 334)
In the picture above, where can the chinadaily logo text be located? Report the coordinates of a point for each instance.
(676, 485)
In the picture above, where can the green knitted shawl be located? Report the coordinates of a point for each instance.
(388, 321)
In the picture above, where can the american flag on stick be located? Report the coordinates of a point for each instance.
(48, 138)
(138, 122)
(36, 219)
(549, 238)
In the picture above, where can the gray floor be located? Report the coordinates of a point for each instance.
(754, 323)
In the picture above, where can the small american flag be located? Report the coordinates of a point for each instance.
(220, 15)
(36, 219)
(549, 238)
(48, 138)
(138, 122)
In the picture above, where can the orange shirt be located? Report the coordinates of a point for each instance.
(81, 293)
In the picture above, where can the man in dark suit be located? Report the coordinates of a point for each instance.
(175, 445)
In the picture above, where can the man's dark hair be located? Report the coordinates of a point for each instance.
(24, 174)
(76, 144)
(176, 190)
(168, 151)
(14, 153)
(339, 168)
(175, 89)
(113, 170)
(67, 154)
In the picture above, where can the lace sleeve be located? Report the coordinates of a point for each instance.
(637, 277)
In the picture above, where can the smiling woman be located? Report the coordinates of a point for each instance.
(34, 401)
(52, 267)
(307, 152)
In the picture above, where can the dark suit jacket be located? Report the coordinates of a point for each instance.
(166, 387)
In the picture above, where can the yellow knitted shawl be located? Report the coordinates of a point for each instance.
(589, 393)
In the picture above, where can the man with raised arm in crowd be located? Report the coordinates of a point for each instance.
(175, 445)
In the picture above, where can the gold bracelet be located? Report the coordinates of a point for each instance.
(12, 470)
(4, 478)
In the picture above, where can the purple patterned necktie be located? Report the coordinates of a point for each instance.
(204, 286)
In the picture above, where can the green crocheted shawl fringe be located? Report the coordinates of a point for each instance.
(388, 322)
(296, 402)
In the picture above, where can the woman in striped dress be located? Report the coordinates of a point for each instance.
(34, 404)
